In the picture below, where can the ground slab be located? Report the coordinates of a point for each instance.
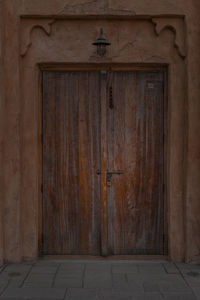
(100, 280)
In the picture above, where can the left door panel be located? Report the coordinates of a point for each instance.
(71, 158)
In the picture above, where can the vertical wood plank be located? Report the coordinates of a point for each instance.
(104, 219)
(89, 162)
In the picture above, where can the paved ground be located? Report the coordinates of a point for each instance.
(102, 280)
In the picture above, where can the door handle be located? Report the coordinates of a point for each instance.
(109, 175)
(119, 172)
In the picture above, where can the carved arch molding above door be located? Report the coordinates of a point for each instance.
(174, 24)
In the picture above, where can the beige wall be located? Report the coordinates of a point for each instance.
(19, 179)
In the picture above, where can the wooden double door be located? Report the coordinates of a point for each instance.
(103, 162)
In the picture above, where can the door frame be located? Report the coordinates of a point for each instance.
(106, 67)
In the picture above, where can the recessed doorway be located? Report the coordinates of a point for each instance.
(103, 162)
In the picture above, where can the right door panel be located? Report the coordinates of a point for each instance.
(135, 153)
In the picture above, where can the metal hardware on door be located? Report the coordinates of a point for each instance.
(109, 175)
(109, 179)
(118, 172)
(111, 105)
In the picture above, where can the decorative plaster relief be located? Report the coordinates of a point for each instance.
(27, 29)
(176, 25)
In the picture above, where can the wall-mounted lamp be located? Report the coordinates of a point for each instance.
(101, 44)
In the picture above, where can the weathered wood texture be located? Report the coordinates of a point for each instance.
(71, 156)
(79, 122)
(136, 147)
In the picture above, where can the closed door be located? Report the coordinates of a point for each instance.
(103, 162)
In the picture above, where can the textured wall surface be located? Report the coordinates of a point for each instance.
(143, 31)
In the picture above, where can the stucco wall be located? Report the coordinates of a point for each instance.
(15, 240)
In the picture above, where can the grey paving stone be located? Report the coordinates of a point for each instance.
(28, 298)
(20, 298)
(111, 293)
(183, 266)
(119, 281)
(157, 269)
(98, 267)
(15, 275)
(193, 282)
(68, 282)
(75, 273)
(81, 294)
(117, 297)
(171, 268)
(2, 267)
(124, 268)
(17, 268)
(38, 284)
(136, 278)
(97, 276)
(46, 263)
(39, 277)
(97, 280)
(150, 286)
(37, 293)
(3, 286)
(179, 296)
(153, 296)
(72, 266)
(196, 291)
(44, 270)
(173, 287)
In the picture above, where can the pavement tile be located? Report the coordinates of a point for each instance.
(117, 297)
(174, 287)
(47, 263)
(193, 282)
(134, 278)
(111, 293)
(118, 294)
(74, 273)
(3, 286)
(72, 266)
(98, 267)
(171, 268)
(157, 269)
(124, 268)
(97, 276)
(153, 296)
(68, 282)
(179, 296)
(183, 266)
(2, 267)
(150, 287)
(81, 294)
(17, 268)
(43, 270)
(119, 281)
(36, 293)
(38, 285)
(97, 281)
(196, 291)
